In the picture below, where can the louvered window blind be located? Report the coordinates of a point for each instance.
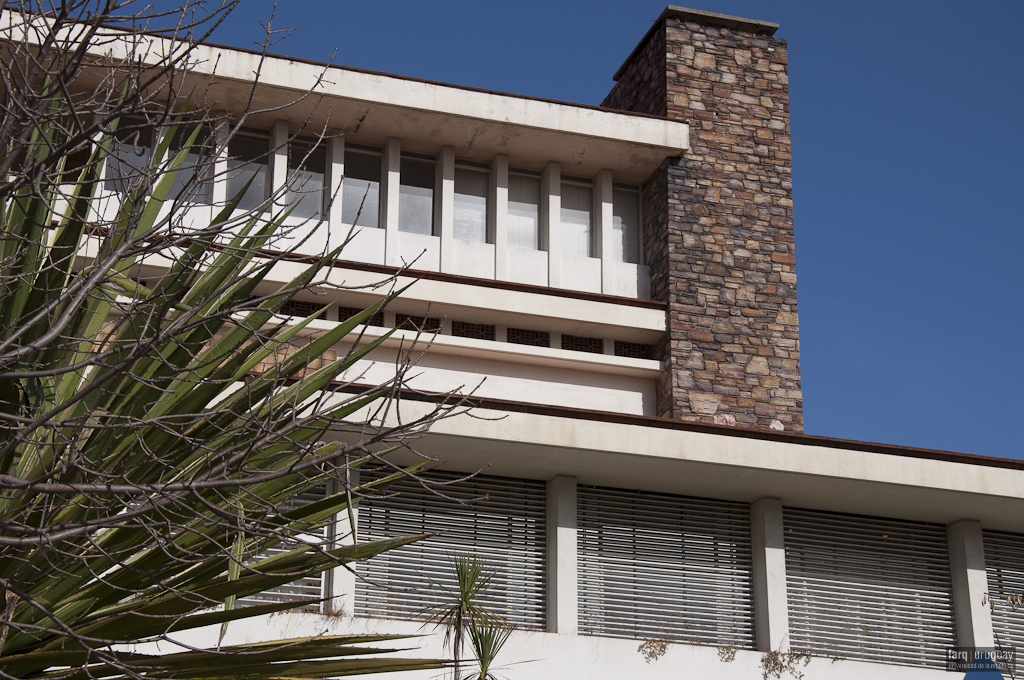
(303, 588)
(1004, 562)
(664, 567)
(868, 588)
(503, 524)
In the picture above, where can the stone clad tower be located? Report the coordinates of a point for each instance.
(718, 222)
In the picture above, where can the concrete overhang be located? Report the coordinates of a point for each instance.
(372, 107)
(711, 465)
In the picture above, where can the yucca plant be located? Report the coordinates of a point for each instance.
(152, 430)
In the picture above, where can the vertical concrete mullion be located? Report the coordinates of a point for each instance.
(551, 220)
(497, 216)
(335, 173)
(340, 583)
(390, 171)
(278, 170)
(603, 225)
(771, 606)
(444, 206)
(970, 584)
(562, 578)
(220, 163)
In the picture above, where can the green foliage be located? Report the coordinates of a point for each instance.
(461, 613)
(150, 434)
(487, 641)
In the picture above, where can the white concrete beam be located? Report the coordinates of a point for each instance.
(390, 178)
(335, 172)
(220, 164)
(278, 170)
(771, 615)
(340, 583)
(562, 579)
(444, 207)
(603, 225)
(970, 584)
(497, 215)
(551, 220)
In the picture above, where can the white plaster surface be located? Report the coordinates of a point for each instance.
(540, 655)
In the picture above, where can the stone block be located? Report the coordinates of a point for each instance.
(758, 365)
(704, 404)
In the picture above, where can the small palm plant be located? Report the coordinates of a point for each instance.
(461, 613)
(487, 641)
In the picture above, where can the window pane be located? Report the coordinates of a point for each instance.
(131, 155)
(248, 160)
(306, 179)
(577, 204)
(471, 205)
(524, 212)
(416, 197)
(361, 187)
(625, 226)
(185, 185)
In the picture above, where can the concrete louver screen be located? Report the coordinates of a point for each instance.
(868, 588)
(303, 588)
(503, 524)
(1004, 564)
(664, 567)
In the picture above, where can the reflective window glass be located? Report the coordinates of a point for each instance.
(524, 212)
(471, 188)
(360, 190)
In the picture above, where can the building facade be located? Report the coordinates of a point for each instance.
(617, 287)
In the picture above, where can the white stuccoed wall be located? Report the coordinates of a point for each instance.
(537, 655)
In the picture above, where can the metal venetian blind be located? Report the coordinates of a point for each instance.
(664, 567)
(503, 524)
(868, 588)
(303, 588)
(1004, 564)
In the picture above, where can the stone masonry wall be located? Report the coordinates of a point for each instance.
(719, 224)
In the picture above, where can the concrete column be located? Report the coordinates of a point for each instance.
(970, 584)
(335, 172)
(220, 164)
(555, 337)
(561, 528)
(551, 220)
(444, 206)
(603, 227)
(497, 216)
(390, 177)
(278, 170)
(340, 583)
(771, 614)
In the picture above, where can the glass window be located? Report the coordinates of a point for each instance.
(133, 147)
(524, 212)
(192, 182)
(248, 160)
(577, 206)
(306, 165)
(471, 187)
(360, 190)
(625, 226)
(416, 197)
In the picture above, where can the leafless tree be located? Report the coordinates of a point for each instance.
(161, 403)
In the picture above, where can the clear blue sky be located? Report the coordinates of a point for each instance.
(908, 185)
